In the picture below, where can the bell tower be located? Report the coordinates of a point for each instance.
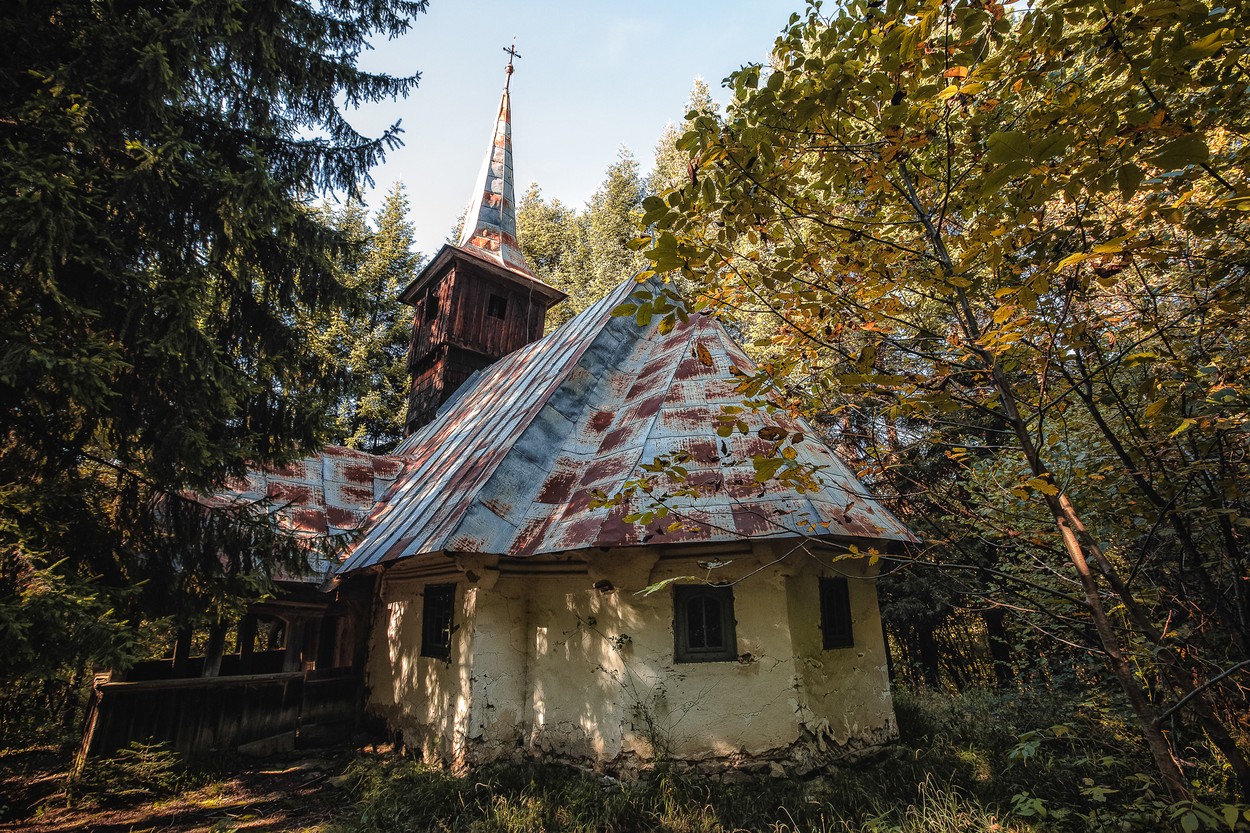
(478, 300)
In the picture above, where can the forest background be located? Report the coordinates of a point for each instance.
(997, 254)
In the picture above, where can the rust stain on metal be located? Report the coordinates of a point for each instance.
(359, 474)
(620, 401)
(608, 468)
(557, 487)
(753, 520)
(532, 534)
(618, 437)
(646, 408)
(310, 520)
(693, 369)
(706, 482)
(689, 419)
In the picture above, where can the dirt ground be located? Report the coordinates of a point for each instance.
(295, 793)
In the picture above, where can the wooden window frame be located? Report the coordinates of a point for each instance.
(836, 628)
(438, 620)
(683, 596)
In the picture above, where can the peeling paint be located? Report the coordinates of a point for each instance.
(553, 667)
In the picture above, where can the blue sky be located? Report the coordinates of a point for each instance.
(593, 76)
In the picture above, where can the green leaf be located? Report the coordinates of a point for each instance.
(1129, 178)
(1206, 46)
(1044, 486)
(1189, 149)
(766, 468)
(1007, 146)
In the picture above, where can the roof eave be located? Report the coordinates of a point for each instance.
(438, 263)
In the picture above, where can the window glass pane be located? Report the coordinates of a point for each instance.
(714, 636)
(497, 306)
(437, 620)
(835, 613)
(703, 624)
(695, 617)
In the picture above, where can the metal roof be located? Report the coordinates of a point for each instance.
(328, 494)
(511, 464)
(490, 219)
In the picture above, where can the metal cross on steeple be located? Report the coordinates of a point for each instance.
(512, 53)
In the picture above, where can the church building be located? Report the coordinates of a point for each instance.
(566, 558)
(517, 612)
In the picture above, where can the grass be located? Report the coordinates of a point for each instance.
(976, 762)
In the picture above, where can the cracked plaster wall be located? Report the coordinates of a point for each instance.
(425, 698)
(548, 664)
(844, 693)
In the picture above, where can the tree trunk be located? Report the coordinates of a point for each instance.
(247, 642)
(929, 657)
(214, 650)
(999, 645)
(182, 652)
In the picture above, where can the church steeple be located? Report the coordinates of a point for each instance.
(490, 220)
(478, 300)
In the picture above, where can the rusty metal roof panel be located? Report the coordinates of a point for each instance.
(326, 495)
(449, 460)
(513, 465)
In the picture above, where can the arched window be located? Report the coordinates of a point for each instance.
(703, 624)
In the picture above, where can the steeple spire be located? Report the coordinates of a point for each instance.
(490, 221)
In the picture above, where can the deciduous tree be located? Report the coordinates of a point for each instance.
(1023, 233)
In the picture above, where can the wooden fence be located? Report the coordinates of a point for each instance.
(218, 714)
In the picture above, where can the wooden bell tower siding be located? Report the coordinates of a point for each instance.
(469, 311)
(477, 301)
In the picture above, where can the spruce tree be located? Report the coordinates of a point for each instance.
(373, 347)
(157, 255)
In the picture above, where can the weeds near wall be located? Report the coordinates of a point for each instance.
(652, 715)
(984, 762)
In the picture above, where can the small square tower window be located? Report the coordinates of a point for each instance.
(703, 624)
(835, 613)
(438, 621)
(497, 306)
(431, 302)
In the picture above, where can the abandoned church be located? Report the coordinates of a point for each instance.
(522, 581)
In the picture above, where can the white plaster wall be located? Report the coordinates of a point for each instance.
(600, 677)
(574, 698)
(844, 693)
(718, 709)
(499, 713)
(425, 698)
(547, 664)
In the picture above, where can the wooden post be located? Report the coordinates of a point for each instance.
(293, 642)
(182, 652)
(247, 642)
(327, 642)
(216, 647)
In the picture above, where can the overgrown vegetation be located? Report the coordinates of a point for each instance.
(1001, 251)
(992, 761)
(138, 772)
